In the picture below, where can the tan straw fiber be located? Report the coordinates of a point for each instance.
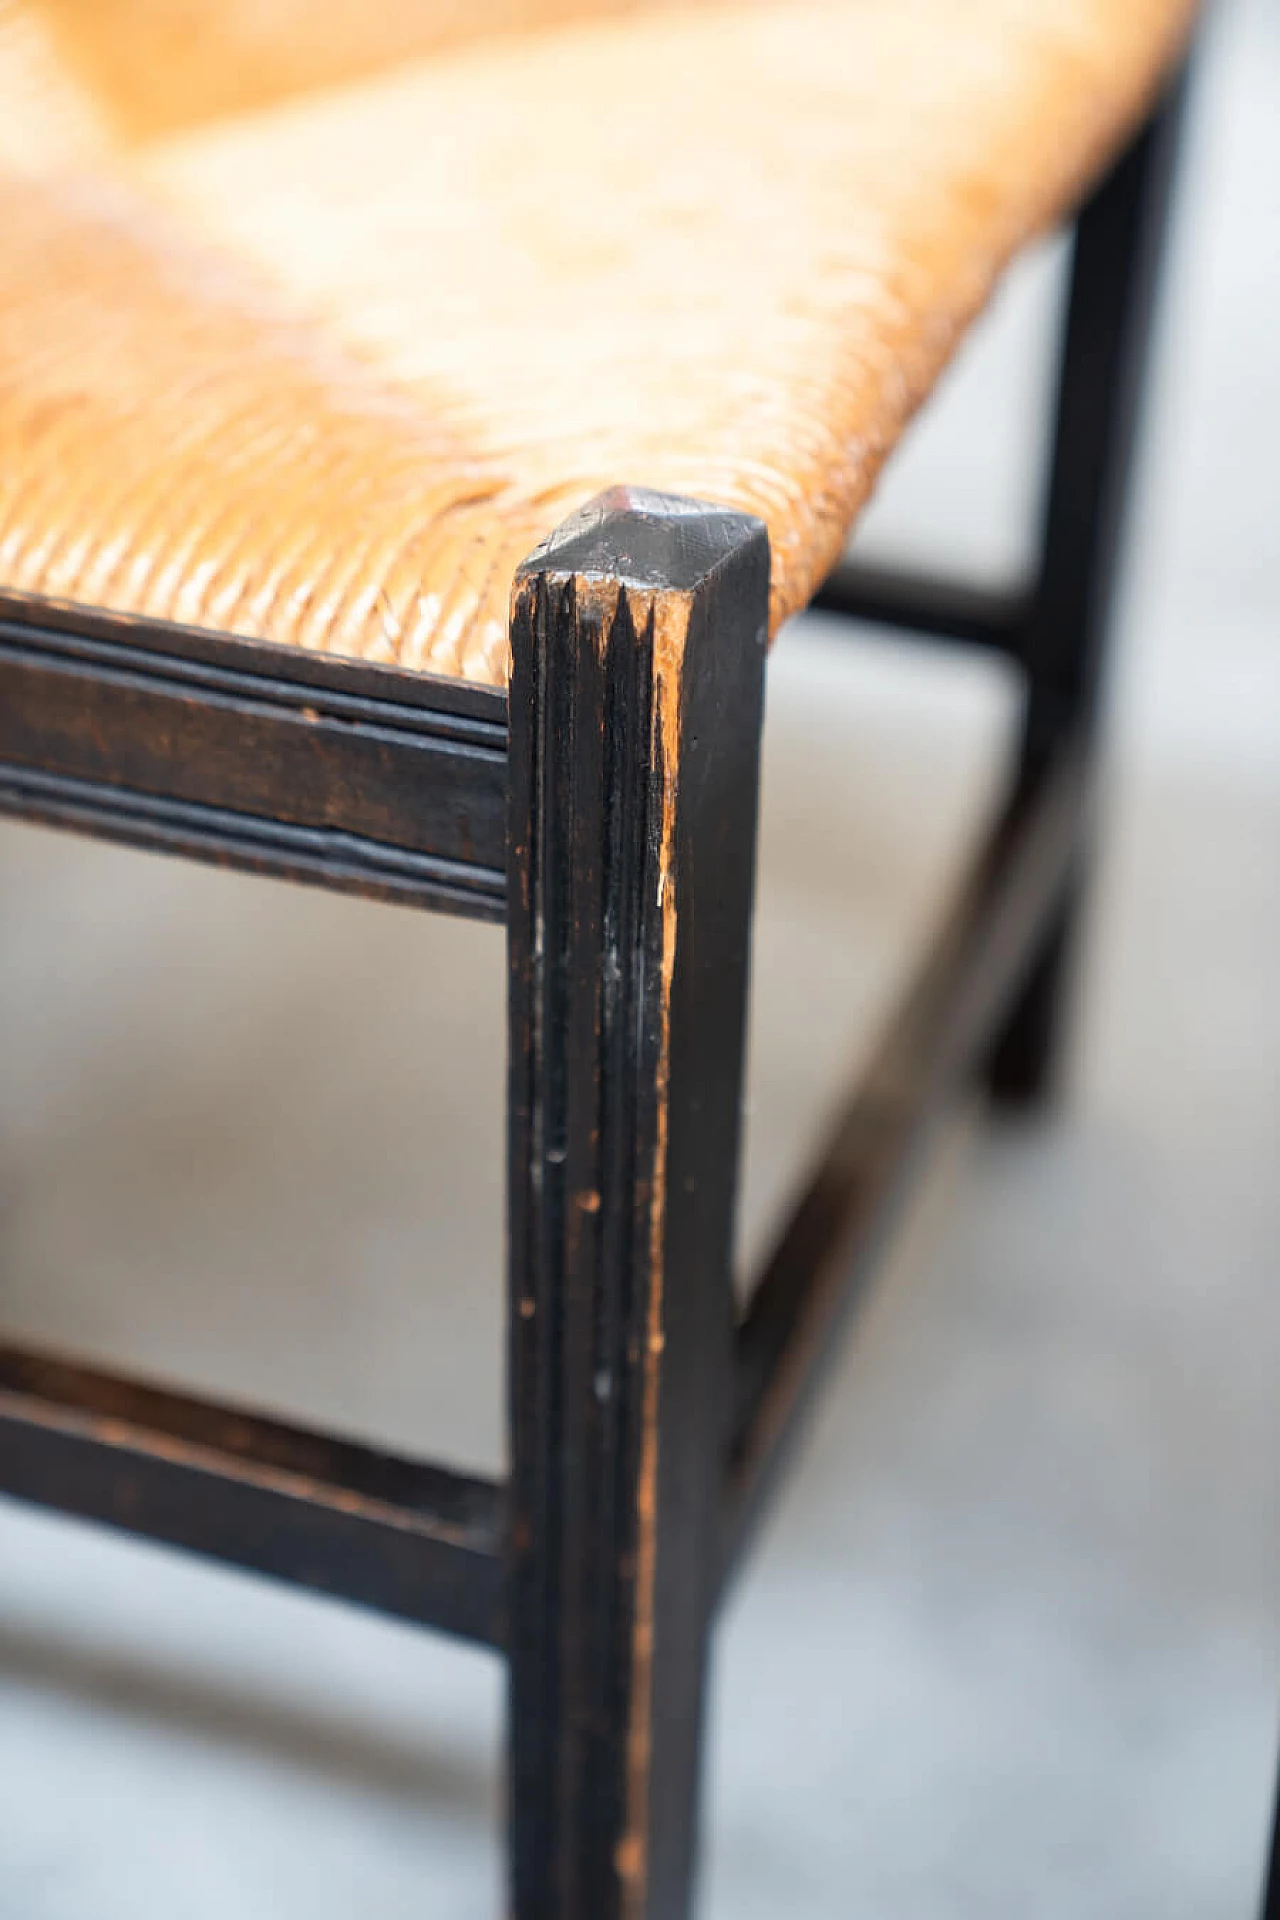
(322, 370)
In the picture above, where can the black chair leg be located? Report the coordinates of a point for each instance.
(638, 643)
(1022, 1069)
(1271, 1892)
(1119, 243)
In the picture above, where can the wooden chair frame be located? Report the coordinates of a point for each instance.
(606, 811)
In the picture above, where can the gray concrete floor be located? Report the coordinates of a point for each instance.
(1012, 1644)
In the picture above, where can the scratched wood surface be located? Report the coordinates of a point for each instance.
(639, 639)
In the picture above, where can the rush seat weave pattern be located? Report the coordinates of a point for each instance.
(311, 335)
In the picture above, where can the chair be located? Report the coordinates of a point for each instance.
(414, 422)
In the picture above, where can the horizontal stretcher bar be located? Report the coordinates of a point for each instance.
(827, 1252)
(406, 1539)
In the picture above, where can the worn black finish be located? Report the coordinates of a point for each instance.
(638, 643)
(386, 784)
(403, 1538)
(1115, 270)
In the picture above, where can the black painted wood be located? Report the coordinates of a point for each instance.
(927, 608)
(406, 1539)
(826, 1253)
(1271, 1891)
(1115, 273)
(638, 642)
(361, 779)
(354, 681)
(317, 856)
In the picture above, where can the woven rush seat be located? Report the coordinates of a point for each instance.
(314, 320)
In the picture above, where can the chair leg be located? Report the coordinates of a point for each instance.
(1023, 1066)
(1271, 1892)
(1119, 243)
(638, 640)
